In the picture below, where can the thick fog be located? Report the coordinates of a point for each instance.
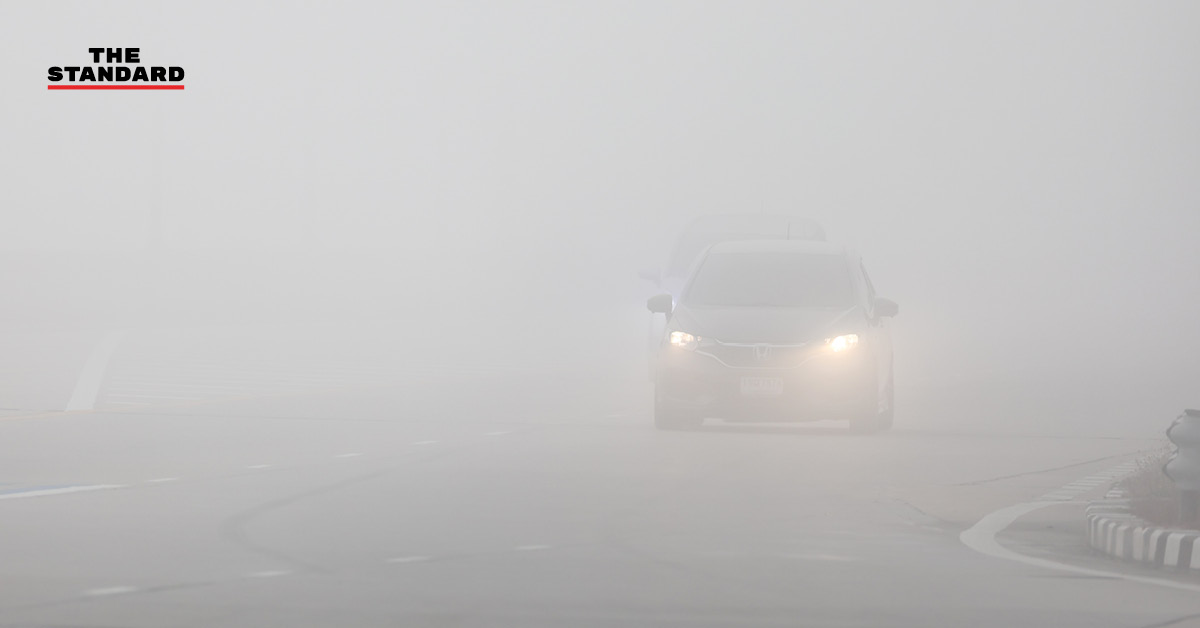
(353, 330)
(1021, 177)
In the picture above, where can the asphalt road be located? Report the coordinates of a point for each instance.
(503, 495)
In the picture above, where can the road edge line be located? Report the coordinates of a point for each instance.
(981, 537)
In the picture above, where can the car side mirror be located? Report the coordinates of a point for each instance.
(886, 308)
(660, 304)
(651, 276)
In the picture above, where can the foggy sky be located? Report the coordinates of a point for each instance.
(1021, 177)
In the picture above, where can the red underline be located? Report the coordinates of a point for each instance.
(114, 87)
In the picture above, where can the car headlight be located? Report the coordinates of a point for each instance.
(683, 340)
(842, 343)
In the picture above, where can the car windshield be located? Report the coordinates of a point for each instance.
(772, 279)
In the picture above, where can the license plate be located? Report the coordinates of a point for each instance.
(762, 386)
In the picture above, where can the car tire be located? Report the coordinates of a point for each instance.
(670, 417)
(887, 416)
(873, 419)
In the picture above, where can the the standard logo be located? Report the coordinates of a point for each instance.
(112, 76)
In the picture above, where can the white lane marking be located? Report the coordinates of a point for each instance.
(497, 433)
(823, 557)
(350, 455)
(205, 388)
(170, 397)
(981, 537)
(139, 384)
(258, 466)
(202, 383)
(425, 442)
(273, 368)
(267, 574)
(87, 386)
(59, 491)
(530, 548)
(110, 591)
(408, 559)
(161, 480)
(208, 382)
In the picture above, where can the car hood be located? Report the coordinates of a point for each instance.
(777, 325)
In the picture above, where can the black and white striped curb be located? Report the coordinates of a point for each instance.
(1114, 530)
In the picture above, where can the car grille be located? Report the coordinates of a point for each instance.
(758, 355)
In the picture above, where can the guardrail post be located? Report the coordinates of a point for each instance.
(1184, 466)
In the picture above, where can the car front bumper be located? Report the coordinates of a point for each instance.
(825, 386)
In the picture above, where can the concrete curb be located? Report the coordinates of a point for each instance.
(1114, 530)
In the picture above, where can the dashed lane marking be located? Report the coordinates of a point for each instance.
(61, 490)
(121, 397)
(258, 466)
(109, 591)
(349, 455)
(823, 557)
(161, 480)
(267, 574)
(408, 559)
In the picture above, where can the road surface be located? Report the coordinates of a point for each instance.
(261, 491)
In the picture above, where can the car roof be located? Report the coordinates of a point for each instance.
(810, 247)
(704, 231)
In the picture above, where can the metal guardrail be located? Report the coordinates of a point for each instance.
(1184, 466)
